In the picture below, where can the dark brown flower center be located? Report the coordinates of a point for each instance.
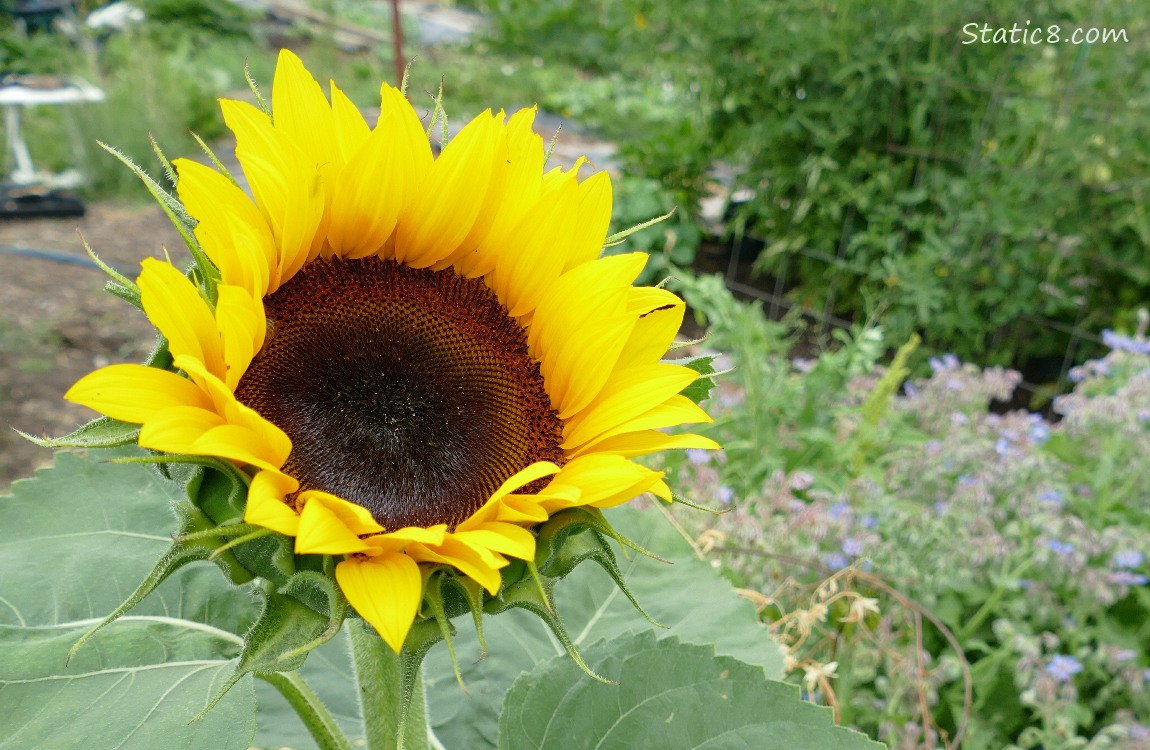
(407, 391)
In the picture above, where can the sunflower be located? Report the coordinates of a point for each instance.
(415, 358)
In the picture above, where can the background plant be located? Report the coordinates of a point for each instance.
(999, 550)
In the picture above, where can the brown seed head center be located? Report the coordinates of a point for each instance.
(407, 391)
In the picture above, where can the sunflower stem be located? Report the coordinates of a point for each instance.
(310, 708)
(379, 673)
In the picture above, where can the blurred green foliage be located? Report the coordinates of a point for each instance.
(959, 187)
(160, 77)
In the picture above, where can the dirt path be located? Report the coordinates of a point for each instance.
(57, 323)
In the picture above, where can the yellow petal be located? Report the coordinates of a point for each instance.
(626, 395)
(408, 132)
(492, 510)
(385, 591)
(644, 442)
(580, 329)
(369, 195)
(444, 207)
(519, 509)
(177, 429)
(286, 185)
(604, 480)
(234, 233)
(660, 318)
(480, 565)
(594, 218)
(242, 330)
(266, 506)
(539, 250)
(326, 526)
(175, 307)
(351, 129)
(504, 538)
(135, 393)
(398, 540)
(249, 438)
(510, 197)
(357, 518)
(675, 411)
(302, 113)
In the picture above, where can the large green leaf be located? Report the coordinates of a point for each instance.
(690, 598)
(671, 696)
(74, 543)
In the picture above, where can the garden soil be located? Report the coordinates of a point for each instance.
(57, 323)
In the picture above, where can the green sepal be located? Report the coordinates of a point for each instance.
(194, 523)
(319, 592)
(552, 533)
(284, 625)
(433, 596)
(618, 237)
(699, 390)
(117, 278)
(476, 595)
(169, 170)
(219, 165)
(179, 218)
(161, 355)
(534, 594)
(177, 556)
(220, 491)
(102, 432)
(675, 498)
(590, 544)
(261, 102)
(128, 294)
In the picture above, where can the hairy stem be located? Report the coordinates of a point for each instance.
(392, 702)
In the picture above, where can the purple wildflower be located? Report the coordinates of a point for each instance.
(1062, 667)
(869, 521)
(1039, 433)
(852, 547)
(1125, 343)
(835, 561)
(1128, 558)
(1054, 497)
(1125, 654)
(802, 481)
(725, 494)
(698, 456)
(1126, 578)
(1059, 547)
